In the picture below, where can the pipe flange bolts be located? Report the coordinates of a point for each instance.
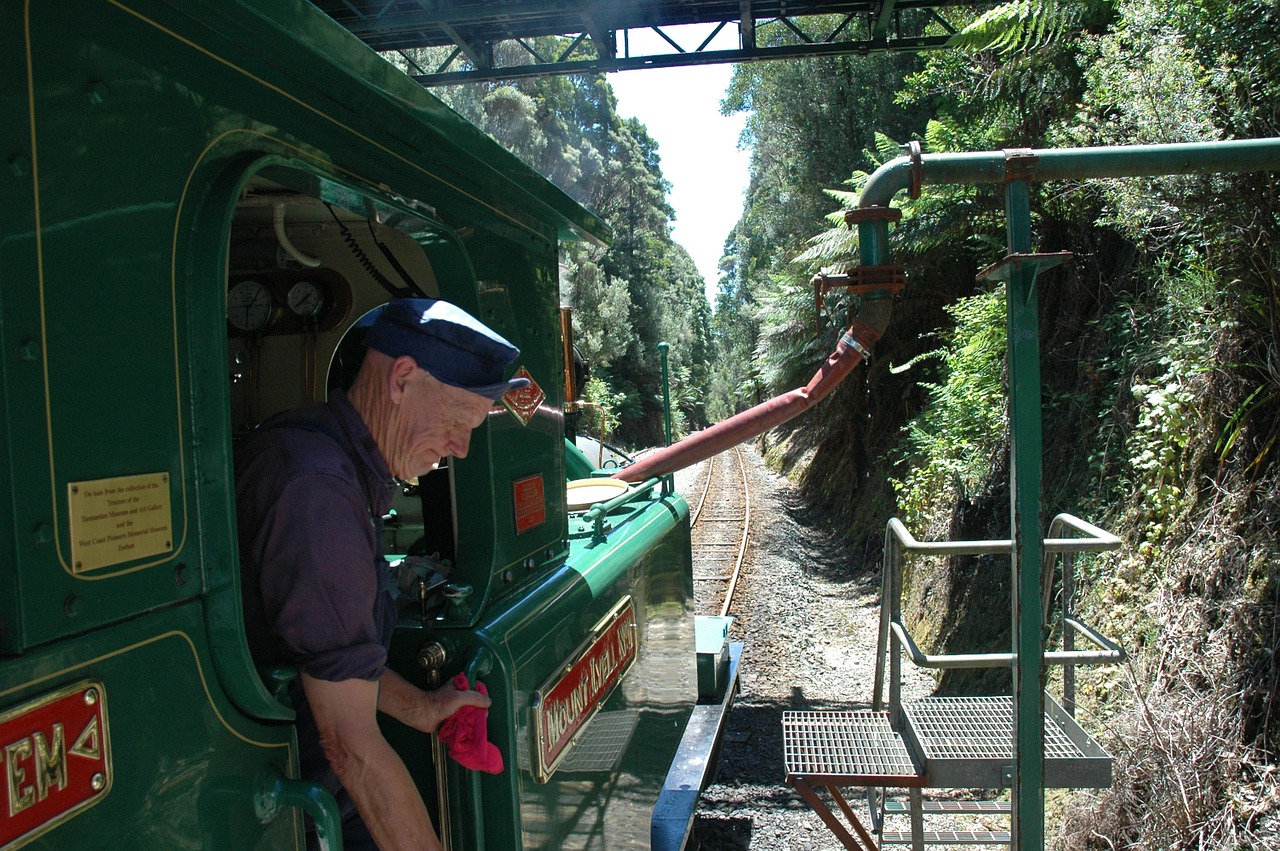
(916, 153)
(859, 215)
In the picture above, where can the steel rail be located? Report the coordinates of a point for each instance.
(711, 508)
(706, 487)
(746, 531)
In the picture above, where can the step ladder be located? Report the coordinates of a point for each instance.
(942, 742)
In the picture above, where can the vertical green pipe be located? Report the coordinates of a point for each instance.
(1024, 424)
(873, 243)
(666, 391)
(669, 480)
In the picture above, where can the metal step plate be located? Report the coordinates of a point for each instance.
(851, 747)
(949, 837)
(980, 807)
(967, 742)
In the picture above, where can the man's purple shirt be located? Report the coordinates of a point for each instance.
(311, 489)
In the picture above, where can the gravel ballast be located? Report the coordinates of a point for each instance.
(808, 620)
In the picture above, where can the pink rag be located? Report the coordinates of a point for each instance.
(466, 734)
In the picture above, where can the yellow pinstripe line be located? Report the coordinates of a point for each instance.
(119, 651)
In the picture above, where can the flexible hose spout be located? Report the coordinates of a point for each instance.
(855, 346)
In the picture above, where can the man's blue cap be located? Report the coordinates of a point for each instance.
(451, 344)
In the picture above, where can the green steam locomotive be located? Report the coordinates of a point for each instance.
(202, 198)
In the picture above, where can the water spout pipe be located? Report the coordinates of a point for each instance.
(855, 346)
(1241, 155)
(910, 173)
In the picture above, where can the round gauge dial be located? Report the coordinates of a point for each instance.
(306, 299)
(249, 305)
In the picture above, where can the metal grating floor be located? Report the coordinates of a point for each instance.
(598, 749)
(853, 744)
(949, 837)
(977, 728)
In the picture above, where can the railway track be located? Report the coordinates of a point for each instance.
(721, 527)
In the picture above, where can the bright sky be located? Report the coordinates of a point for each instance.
(697, 145)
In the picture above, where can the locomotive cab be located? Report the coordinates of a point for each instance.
(205, 199)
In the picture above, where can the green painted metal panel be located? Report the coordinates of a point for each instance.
(125, 279)
(184, 762)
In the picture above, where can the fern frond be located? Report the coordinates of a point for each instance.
(1020, 26)
(836, 245)
(886, 148)
(847, 200)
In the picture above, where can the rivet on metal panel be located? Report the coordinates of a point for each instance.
(180, 575)
(71, 606)
(96, 91)
(43, 533)
(30, 350)
(19, 165)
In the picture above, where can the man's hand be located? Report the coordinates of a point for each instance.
(423, 710)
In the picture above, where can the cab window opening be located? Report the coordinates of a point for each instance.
(308, 259)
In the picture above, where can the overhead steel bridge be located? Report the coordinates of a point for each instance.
(508, 39)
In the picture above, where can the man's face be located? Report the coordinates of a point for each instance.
(435, 420)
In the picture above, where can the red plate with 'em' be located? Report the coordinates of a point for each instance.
(55, 760)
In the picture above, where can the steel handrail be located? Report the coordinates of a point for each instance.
(898, 540)
(597, 512)
(1110, 653)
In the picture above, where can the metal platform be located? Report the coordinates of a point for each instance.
(852, 748)
(947, 837)
(949, 742)
(945, 742)
(967, 742)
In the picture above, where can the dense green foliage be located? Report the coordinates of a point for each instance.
(640, 291)
(1159, 361)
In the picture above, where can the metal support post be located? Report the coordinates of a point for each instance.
(1026, 459)
(668, 481)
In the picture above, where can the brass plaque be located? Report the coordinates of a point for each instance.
(118, 520)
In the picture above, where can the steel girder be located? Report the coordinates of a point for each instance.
(502, 39)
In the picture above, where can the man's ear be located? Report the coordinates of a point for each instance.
(399, 375)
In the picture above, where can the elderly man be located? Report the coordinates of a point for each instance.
(312, 487)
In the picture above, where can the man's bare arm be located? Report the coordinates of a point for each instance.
(371, 772)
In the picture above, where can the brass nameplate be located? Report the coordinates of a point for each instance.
(119, 519)
(55, 758)
(572, 696)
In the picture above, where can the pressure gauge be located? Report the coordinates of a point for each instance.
(306, 299)
(249, 306)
